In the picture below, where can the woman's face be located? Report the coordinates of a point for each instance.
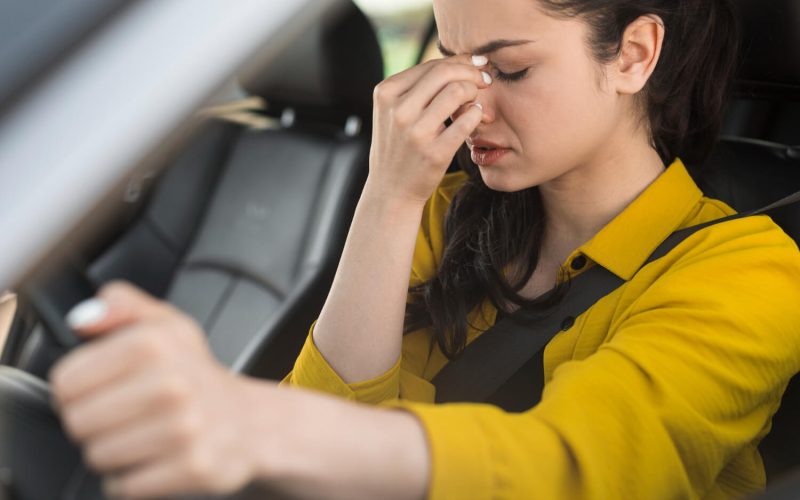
(557, 112)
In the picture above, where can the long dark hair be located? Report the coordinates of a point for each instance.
(485, 231)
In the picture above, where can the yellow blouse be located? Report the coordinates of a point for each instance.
(662, 389)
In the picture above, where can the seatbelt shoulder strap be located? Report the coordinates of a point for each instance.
(499, 352)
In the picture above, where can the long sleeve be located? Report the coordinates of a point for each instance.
(312, 371)
(672, 405)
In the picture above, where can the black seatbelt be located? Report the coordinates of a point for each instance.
(499, 352)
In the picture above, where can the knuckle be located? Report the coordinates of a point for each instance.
(149, 348)
(402, 117)
(59, 385)
(71, 420)
(434, 62)
(456, 90)
(466, 125)
(114, 285)
(115, 288)
(95, 456)
(125, 487)
(444, 69)
(187, 330)
(417, 137)
(185, 429)
(451, 70)
(432, 157)
(198, 465)
(173, 393)
(382, 92)
(463, 90)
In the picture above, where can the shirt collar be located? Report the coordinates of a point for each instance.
(625, 243)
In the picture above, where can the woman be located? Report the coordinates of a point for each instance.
(574, 112)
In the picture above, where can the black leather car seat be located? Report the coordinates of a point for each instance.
(758, 162)
(245, 229)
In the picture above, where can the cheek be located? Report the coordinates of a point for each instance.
(559, 112)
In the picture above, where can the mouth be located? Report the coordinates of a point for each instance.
(485, 153)
(483, 146)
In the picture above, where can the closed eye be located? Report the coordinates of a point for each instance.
(511, 77)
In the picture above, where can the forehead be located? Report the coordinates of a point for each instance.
(464, 25)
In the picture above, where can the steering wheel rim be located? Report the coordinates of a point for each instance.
(37, 458)
(53, 296)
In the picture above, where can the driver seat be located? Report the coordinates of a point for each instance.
(244, 229)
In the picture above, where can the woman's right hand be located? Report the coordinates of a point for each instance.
(411, 147)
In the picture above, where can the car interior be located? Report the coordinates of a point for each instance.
(243, 227)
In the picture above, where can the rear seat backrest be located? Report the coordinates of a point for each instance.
(251, 256)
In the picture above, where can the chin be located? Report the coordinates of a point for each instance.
(498, 179)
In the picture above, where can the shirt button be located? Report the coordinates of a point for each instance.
(568, 323)
(579, 262)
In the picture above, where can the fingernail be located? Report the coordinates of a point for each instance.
(87, 313)
(478, 105)
(480, 61)
(487, 78)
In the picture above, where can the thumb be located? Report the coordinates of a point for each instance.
(116, 305)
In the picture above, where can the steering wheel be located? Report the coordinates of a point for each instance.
(53, 297)
(37, 460)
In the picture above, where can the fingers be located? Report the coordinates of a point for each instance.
(189, 473)
(88, 368)
(106, 360)
(150, 481)
(402, 82)
(143, 442)
(116, 305)
(406, 158)
(454, 136)
(437, 95)
(445, 105)
(113, 406)
(440, 78)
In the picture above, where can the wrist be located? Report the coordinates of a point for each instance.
(287, 428)
(325, 446)
(376, 192)
(392, 212)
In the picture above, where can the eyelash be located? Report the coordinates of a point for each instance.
(512, 77)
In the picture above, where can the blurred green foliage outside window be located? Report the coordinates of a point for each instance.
(401, 26)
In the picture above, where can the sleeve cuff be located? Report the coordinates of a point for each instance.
(461, 457)
(312, 371)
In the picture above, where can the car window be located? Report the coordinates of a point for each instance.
(431, 49)
(401, 26)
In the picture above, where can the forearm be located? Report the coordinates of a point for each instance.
(355, 451)
(359, 331)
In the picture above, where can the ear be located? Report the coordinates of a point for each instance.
(639, 54)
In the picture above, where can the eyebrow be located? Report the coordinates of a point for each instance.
(488, 48)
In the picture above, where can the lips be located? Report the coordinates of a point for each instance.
(486, 153)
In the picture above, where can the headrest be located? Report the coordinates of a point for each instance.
(770, 45)
(330, 71)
